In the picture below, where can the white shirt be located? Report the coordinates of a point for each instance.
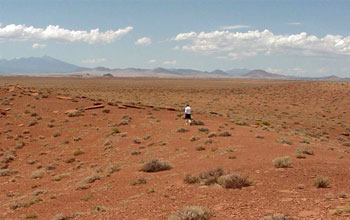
(188, 110)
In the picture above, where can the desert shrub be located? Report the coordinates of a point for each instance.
(211, 176)
(346, 144)
(192, 213)
(116, 130)
(232, 157)
(239, 122)
(136, 141)
(56, 134)
(32, 123)
(20, 145)
(31, 216)
(90, 179)
(78, 152)
(274, 217)
(203, 129)
(194, 138)
(225, 134)
(113, 168)
(139, 181)
(38, 174)
(321, 182)
(234, 181)
(189, 179)
(300, 156)
(212, 134)
(200, 148)
(156, 165)
(182, 130)
(284, 141)
(60, 217)
(197, 122)
(209, 141)
(259, 136)
(282, 162)
(99, 208)
(305, 151)
(106, 111)
(305, 141)
(7, 172)
(134, 153)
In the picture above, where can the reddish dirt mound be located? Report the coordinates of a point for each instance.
(85, 164)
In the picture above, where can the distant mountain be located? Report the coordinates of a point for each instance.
(163, 70)
(49, 65)
(101, 68)
(262, 74)
(43, 64)
(218, 72)
(237, 72)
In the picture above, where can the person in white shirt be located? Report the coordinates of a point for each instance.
(188, 112)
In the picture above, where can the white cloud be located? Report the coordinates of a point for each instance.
(145, 41)
(94, 61)
(238, 45)
(22, 33)
(232, 27)
(169, 62)
(38, 46)
(152, 61)
(273, 70)
(294, 23)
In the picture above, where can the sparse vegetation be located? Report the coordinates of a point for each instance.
(192, 213)
(321, 182)
(275, 217)
(282, 162)
(156, 165)
(189, 179)
(233, 181)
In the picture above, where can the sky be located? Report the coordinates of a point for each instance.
(291, 37)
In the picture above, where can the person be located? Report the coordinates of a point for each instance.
(188, 113)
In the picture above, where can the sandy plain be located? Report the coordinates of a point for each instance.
(85, 163)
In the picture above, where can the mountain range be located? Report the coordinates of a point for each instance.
(50, 66)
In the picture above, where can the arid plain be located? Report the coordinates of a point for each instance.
(74, 148)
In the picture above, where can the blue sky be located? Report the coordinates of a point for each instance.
(293, 37)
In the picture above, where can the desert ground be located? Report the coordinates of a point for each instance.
(73, 148)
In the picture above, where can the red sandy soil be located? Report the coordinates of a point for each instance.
(289, 191)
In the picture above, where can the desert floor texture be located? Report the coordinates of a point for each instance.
(74, 148)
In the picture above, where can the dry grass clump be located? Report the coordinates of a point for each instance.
(31, 216)
(78, 152)
(282, 162)
(139, 181)
(192, 213)
(38, 174)
(197, 122)
(194, 138)
(305, 151)
(342, 210)
(200, 148)
(203, 129)
(225, 134)
(300, 156)
(284, 141)
(189, 179)
(212, 134)
(321, 182)
(275, 217)
(7, 172)
(155, 165)
(182, 130)
(211, 176)
(234, 181)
